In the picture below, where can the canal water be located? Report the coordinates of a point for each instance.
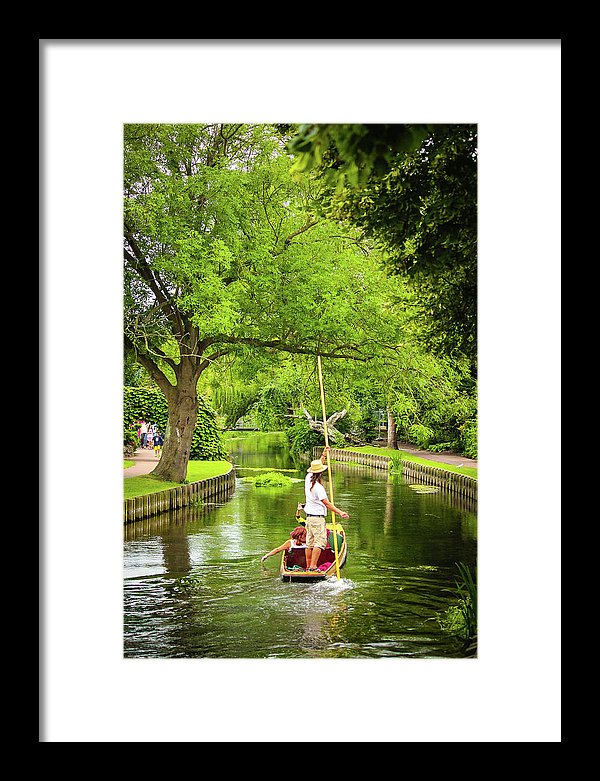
(194, 586)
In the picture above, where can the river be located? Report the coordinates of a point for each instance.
(194, 586)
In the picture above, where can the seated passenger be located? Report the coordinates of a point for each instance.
(297, 541)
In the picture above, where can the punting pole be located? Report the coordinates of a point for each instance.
(335, 545)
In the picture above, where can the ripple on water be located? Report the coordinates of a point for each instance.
(197, 589)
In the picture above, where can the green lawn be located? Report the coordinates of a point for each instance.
(197, 470)
(230, 435)
(127, 463)
(384, 451)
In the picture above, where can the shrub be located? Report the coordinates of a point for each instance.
(421, 435)
(206, 442)
(468, 438)
(302, 438)
(130, 441)
(147, 403)
(130, 438)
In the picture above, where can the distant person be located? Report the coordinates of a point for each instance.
(143, 433)
(297, 540)
(315, 508)
(158, 442)
(149, 439)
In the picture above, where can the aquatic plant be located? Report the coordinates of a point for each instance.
(421, 488)
(461, 619)
(270, 480)
(395, 464)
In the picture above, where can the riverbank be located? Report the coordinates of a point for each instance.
(448, 478)
(143, 461)
(140, 482)
(449, 460)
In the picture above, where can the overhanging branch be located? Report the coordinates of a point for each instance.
(349, 351)
(153, 370)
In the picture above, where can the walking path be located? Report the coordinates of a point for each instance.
(145, 461)
(445, 457)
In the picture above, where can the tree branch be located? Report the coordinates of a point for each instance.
(350, 351)
(303, 229)
(163, 297)
(153, 370)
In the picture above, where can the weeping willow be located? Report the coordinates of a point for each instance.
(233, 401)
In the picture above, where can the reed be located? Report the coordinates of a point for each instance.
(461, 619)
(395, 464)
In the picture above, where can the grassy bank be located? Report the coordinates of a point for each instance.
(197, 470)
(384, 451)
(231, 435)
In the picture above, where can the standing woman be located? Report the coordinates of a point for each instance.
(315, 509)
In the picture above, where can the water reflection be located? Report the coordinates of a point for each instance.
(194, 585)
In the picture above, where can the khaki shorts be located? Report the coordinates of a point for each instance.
(316, 532)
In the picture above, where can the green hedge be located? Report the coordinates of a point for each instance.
(150, 404)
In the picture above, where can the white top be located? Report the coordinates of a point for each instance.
(295, 544)
(314, 499)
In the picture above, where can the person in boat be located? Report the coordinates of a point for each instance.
(297, 540)
(315, 509)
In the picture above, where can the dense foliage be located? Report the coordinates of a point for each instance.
(245, 258)
(429, 397)
(151, 405)
(224, 252)
(413, 189)
(352, 154)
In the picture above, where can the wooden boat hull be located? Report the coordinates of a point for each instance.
(288, 559)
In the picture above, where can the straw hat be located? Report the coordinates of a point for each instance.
(317, 466)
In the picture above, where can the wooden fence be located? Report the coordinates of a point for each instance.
(453, 482)
(140, 507)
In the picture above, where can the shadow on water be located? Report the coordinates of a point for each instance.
(194, 585)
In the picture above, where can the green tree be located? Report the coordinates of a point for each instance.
(430, 398)
(223, 251)
(352, 154)
(413, 189)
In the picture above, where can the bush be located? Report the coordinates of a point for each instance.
(468, 438)
(130, 441)
(420, 435)
(206, 442)
(147, 403)
(302, 438)
(130, 438)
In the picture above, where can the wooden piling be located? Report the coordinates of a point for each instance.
(452, 482)
(148, 505)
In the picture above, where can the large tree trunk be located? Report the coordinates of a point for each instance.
(183, 413)
(392, 436)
